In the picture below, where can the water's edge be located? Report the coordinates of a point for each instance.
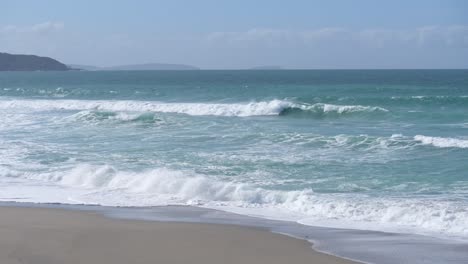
(358, 245)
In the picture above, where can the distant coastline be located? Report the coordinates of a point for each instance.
(135, 67)
(267, 67)
(22, 62)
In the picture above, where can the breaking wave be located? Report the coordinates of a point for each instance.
(265, 108)
(432, 99)
(441, 142)
(321, 109)
(93, 116)
(106, 185)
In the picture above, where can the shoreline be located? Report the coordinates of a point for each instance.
(355, 246)
(58, 235)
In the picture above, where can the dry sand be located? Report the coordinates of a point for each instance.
(58, 236)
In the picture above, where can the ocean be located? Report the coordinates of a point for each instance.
(383, 150)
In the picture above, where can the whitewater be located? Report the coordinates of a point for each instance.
(362, 150)
(273, 107)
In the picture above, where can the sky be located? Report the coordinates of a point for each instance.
(238, 34)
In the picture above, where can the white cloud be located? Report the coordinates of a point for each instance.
(431, 35)
(329, 47)
(41, 28)
(334, 47)
(47, 27)
(47, 39)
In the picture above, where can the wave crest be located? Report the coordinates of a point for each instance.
(106, 185)
(441, 142)
(94, 116)
(265, 108)
(321, 109)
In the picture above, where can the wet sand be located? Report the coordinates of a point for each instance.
(58, 236)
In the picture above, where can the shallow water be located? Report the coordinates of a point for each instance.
(374, 150)
(363, 246)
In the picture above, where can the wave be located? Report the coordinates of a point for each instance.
(169, 186)
(321, 110)
(433, 99)
(370, 144)
(265, 108)
(106, 185)
(441, 142)
(93, 116)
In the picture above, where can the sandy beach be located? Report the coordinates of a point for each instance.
(49, 236)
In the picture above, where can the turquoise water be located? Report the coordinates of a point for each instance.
(380, 150)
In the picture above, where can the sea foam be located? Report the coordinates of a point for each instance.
(264, 108)
(96, 116)
(441, 142)
(106, 185)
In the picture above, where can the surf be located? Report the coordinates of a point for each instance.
(442, 142)
(262, 108)
(109, 186)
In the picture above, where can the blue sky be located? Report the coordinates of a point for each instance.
(241, 34)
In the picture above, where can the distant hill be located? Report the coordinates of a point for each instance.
(19, 62)
(83, 67)
(150, 66)
(266, 68)
(136, 67)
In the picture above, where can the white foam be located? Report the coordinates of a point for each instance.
(273, 107)
(441, 142)
(106, 185)
(342, 109)
(97, 116)
(265, 108)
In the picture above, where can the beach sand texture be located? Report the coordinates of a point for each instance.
(57, 236)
